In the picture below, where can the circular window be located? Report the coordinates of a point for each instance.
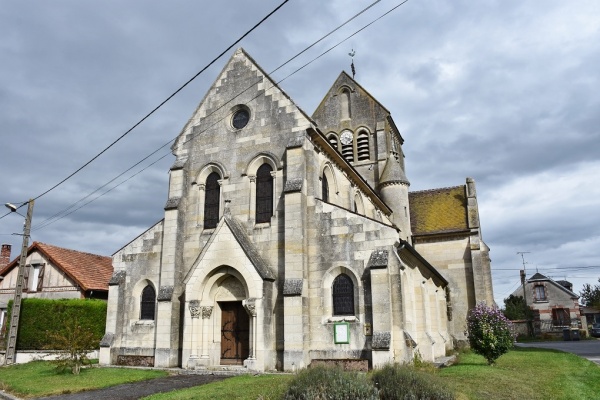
(240, 119)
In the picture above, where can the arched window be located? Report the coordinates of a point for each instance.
(324, 188)
(212, 199)
(343, 295)
(345, 103)
(264, 194)
(148, 303)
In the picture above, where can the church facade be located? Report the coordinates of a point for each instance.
(287, 238)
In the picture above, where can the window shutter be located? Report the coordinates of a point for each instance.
(26, 277)
(40, 281)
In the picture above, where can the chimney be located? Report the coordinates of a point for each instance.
(5, 255)
(522, 276)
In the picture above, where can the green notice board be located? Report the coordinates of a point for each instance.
(341, 332)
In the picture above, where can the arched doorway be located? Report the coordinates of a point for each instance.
(235, 333)
(234, 321)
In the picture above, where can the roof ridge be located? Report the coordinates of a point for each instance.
(71, 250)
(437, 189)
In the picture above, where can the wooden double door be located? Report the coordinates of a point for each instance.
(235, 333)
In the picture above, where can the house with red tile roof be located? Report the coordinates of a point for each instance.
(54, 272)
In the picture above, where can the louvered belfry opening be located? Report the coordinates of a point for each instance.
(343, 295)
(264, 194)
(212, 193)
(332, 138)
(348, 152)
(362, 146)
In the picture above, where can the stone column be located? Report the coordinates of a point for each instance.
(201, 199)
(194, 307)
(250, 306)
(206, 313)
(252, 211)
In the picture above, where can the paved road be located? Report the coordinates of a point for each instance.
(589, 349)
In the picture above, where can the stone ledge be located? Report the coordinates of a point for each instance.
(346, 364)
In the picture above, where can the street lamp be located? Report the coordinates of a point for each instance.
(11, 343)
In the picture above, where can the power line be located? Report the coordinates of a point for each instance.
(163, 102)
(67, 211)
(550, 269)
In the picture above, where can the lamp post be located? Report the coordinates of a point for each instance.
(11, 345)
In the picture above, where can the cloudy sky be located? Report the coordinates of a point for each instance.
(506, 92)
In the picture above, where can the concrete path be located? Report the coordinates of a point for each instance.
(134, 391)
(589, 349)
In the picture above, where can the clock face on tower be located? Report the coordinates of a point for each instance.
(346, 138)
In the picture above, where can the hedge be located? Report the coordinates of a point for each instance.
(38, 316)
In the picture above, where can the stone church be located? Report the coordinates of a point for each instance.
(289, 238)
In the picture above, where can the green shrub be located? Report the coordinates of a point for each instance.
(489, 332)
(404, 382)
(40, 316)
(331, 383)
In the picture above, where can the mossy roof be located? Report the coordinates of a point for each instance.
(438, 210)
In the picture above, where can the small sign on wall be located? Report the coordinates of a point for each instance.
(341, 332)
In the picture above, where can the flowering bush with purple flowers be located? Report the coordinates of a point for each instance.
(489, 332)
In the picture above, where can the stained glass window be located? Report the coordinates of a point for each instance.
(343, 295)
(264, 194)
(148, 303)
(212, 194)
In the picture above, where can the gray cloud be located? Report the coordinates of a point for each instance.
(504, 92)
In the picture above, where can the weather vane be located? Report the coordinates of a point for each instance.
(351, 54)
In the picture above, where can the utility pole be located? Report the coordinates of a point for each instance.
(11, 346)
(523, 281)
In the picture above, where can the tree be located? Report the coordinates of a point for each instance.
(75, 342)
(590, 295)
(489, 332)
(515, 308)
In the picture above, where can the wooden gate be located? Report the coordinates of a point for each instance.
(235, 333)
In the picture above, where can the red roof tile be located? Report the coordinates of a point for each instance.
(89, 271)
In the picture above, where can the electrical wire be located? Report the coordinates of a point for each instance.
(162, 103)
(67, 211)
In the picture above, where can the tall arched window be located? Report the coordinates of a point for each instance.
(345, 103)
(324, 188)
(212, 200)
(148, 303)
(264, 194)
(343, 295)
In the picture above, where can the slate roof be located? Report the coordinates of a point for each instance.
(438, 210)
(89, 271)
(251, 251)
(539, 277)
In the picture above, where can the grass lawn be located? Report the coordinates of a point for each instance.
(524, 373)
(39, 378)
(263, 387)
